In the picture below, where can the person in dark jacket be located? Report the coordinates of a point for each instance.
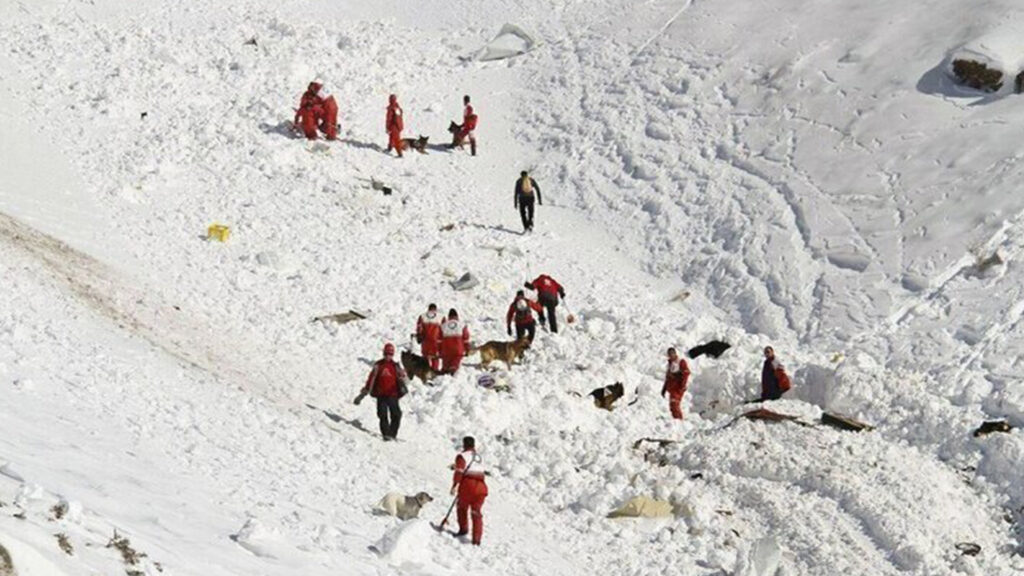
(387, 383)
(774, 380)
(526, 191)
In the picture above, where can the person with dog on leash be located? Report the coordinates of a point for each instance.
(774, 380)
(548, 292)
(394, 124)
(387, 383)
(526, 190)
(428, 334)
(454, 343)
(676, 377)
(468, 482)
(469, 120)
(521, 310)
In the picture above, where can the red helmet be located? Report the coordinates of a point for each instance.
(389, 349)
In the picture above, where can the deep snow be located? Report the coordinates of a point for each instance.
(806, 173)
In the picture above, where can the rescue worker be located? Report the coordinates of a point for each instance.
(454, 343)
(548, 292)
(394, 124)
(526, 190)
(521, 310)
(468, 482)
(774, 380)
(317, 110)
(469, 120)
(387, 383)
(428, 335)
(677, 374)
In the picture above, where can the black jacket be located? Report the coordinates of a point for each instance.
(520, 196)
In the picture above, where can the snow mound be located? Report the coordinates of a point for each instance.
(407, 543)
(510, 41)
(1000, 51)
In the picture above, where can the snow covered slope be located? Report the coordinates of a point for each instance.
(805, 172)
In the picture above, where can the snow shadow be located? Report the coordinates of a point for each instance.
(936, 82)
(497, 228)
(360, 145)
(282, 128)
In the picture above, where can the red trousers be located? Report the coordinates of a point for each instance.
(431, 351)
(451, 363)
(395, 141)
(330, 118)
(471, 503)
(675, 397)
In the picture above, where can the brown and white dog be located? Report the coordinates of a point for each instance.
(606, 397)
(417, 366)
(507, 352)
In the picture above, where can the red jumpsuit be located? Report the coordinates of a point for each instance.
(472, 492)
(676, 377)
(469, 120)
(526, 325)
(317, 112)
(394, 125)
(454, 344)
(428, 334)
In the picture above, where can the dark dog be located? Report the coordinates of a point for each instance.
(454, 130)
(606, 397)
(417, 144)
(416, 366)
(715, 348)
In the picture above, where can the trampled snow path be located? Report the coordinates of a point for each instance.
(182, 456)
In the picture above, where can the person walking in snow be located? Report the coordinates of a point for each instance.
(454, 343)
(774, 380)
(470, 485)
(465, 131)
(317, 110)
(394, 124)
(387, 383)
(548, 292)
(428, 334)
(526, 190)
(521, 310)
(677, 375)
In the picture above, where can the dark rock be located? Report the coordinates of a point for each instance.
(991, 426)
(977, 75)
(844, 423)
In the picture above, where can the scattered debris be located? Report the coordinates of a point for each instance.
(683, 295)
(697, 476)
(769, 416)
(447, 228)
(724, 512)
(143, 115)
(59, 510)
(968, 548)
(218, 232)
(20, 515)
(844, 423)
(343, 317)
(510, 41)
(662, 442)
(714, 348)
(250, 42)
(128, 554)
(989, 426)
(466, 282)
(378, 185)
(64, 544)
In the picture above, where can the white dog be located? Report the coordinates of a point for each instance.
(405, 507)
